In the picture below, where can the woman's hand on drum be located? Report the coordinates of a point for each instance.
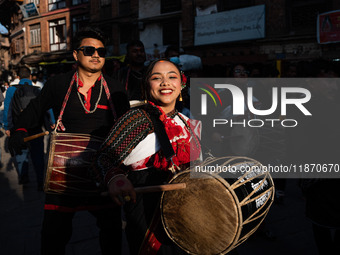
(121, 190)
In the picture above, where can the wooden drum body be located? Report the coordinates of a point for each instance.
(213, 215)
(68, 164)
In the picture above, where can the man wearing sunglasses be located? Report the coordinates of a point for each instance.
(87, 102)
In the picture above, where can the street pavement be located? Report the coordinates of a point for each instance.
(21, 213)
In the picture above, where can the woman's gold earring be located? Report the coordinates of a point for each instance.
(145, 97)
(180, 97)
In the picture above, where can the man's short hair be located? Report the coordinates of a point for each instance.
(24, 72)
(89, 32)
(137, 43)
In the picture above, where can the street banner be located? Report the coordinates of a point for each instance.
(328, 27)
(236, 25)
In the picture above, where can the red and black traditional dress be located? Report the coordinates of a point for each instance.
(133, 148)
(60, 208)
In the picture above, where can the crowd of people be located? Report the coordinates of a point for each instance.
(141, 114)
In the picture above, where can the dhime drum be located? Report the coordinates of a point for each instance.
(220, 208)
(69, 162)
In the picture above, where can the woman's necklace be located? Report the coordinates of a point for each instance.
(100, 95)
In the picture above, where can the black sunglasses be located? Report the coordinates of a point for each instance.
(90, 50)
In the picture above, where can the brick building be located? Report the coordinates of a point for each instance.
(4, 54)
(288, 33)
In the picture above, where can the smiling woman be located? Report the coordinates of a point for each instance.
(146, 147)
(164, 84)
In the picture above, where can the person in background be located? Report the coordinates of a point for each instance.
(2, 98)
(14, 103)
(131, 75)
(16, 80)
(41, 77)
(36, 82)
(172, 53)
(49, 123)
(4, 86)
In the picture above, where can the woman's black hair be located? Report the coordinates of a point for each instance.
(147, 75)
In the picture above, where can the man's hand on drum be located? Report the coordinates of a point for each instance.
(121, 190)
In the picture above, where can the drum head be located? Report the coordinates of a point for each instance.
(204, 217)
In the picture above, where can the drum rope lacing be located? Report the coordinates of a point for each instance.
(81, 100)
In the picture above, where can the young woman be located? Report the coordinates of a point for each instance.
(133, 155)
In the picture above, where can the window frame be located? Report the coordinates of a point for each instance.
(60, 4)
(53, 31)
(168, 6)
(37, 2)
(294, 16)
(79, 2)
(84, 18)
(35, 32)
(104, 3)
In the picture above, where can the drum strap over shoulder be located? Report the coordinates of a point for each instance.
(74, 77)
(163, 137)
(151, 244)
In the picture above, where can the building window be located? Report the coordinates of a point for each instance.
(76, 2)
(225, 5)
(171, 33)
(124, 7)
(35, 35)
(16, 47)
(105, 10)
(37, 2)
(303, 14)
(79, 21)
(58, 35)
(170, 6)
(105, 2)
(56, 4)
